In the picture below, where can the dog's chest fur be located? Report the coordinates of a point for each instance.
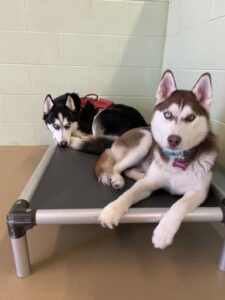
(179, 181)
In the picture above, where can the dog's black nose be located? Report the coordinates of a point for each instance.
(174, 140)
(63, 144)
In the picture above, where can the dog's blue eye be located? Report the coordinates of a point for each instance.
(67, 126)
(56, 126)
(168, 115)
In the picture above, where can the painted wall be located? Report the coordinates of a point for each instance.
(195, 43)
(113, 48)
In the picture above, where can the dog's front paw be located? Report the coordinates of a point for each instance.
(111, 215)
(164, 233)
(117, 181)
(75, 142)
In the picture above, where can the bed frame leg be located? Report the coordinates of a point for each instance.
(21, 256)
(221, 263)
(19, 219)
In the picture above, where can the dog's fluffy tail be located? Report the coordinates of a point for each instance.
(95, 145)
(104, 167)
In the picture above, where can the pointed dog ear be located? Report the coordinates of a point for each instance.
(203, 90)
(166, 87)
(76, 101)
(70, 103)
(48, 104)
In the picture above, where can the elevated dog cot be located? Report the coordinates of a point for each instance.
(64, 190)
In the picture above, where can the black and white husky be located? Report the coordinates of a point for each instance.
(69, 124)
(177, 154)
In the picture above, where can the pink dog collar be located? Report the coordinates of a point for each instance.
(180, 163)
(180, 158)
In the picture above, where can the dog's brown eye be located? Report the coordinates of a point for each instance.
(67, 126)
(168, 115)
(190, 118)
(56, 126)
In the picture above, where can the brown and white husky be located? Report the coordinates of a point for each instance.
(177, 154)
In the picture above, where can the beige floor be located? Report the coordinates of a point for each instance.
(91, 263)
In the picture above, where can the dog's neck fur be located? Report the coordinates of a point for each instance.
(207, 146)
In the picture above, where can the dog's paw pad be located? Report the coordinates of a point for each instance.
(117, 181)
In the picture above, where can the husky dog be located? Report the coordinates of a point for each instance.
(61, 116)
(69, 123)
(177, 154)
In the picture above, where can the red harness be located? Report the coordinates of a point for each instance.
(94, 99)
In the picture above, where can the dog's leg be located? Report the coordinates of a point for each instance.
(131, 159)
(113, 212)
(103, 167)
(164, 233)
(127, 158)
(108, 167)
(134, 174)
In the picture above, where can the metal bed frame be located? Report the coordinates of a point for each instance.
(22, 216)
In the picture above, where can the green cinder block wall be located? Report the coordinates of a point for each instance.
(113, 48)
(195, 43)
(116, 48)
